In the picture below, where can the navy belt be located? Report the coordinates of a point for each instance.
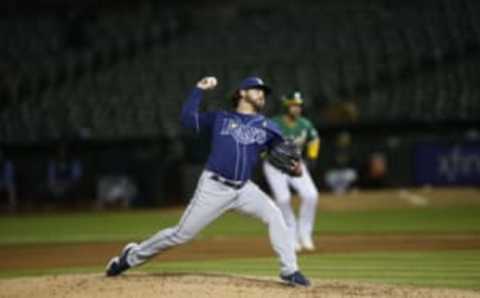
(229, 183)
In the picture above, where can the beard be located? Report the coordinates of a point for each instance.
(257, 104)
(294, 113)
(294, 116)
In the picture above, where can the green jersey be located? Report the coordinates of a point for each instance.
(301, 131)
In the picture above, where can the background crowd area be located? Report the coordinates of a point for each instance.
(90, 93)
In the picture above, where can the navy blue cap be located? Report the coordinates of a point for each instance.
(254, 82)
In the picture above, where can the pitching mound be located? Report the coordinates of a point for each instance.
(201, 285)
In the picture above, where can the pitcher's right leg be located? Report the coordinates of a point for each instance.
(254, 202)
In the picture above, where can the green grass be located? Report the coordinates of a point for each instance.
(103, 227)
(458, 269)
(454, 269)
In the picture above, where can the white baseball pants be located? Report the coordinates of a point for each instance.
(280, 185)
(211, 199)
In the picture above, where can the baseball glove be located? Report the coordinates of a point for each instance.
(283, 156)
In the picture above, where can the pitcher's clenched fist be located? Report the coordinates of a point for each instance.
(207, 83)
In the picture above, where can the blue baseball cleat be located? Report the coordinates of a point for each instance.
(296, 279)
(119, 264)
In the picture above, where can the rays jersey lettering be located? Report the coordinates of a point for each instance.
(243, 133)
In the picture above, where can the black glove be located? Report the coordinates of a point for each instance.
(284, 156)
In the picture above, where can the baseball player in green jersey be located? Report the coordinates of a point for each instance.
(302, 132)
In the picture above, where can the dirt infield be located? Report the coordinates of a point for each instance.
(178, 285)
(95, 254)
(204, 285)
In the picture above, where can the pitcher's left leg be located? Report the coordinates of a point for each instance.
(308, 193)
(254, 202)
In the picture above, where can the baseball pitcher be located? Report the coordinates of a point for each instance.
(300, 131)
(238, 138)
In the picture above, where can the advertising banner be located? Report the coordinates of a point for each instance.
(447, 164)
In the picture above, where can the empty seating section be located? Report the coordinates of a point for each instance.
(131, 70)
